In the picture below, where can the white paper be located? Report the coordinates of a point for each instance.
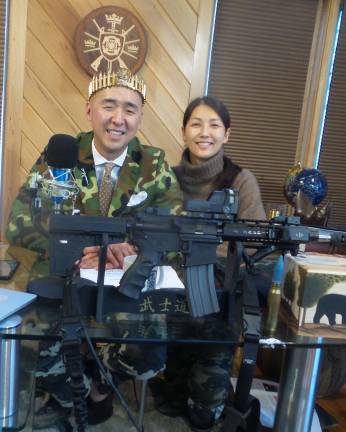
(266, 392)
(321, 259)
(166, 277)
(112, 277)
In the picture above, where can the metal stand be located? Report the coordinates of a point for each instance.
(144, 386)
(297, 392)
(9, 372)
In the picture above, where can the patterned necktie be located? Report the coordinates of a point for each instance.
(106, 188)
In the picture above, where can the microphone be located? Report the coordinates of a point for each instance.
(62, 152)
(58, 182)
(62, 156)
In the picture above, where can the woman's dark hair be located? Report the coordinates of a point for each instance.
(215, 104)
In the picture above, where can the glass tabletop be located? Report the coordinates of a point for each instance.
(42, 320)
(142, 321)
(158, 317)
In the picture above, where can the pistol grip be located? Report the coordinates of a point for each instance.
(133, 280)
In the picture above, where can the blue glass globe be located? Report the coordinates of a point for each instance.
(311, 182)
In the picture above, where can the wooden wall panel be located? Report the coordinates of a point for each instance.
(185, 16)
(194, 4)
(49, 73)
(45, 104)
(167, 32)
(36, 131)
(14, 106)
(55, 86)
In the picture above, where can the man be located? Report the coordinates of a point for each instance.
(139, 175)
(114, 110)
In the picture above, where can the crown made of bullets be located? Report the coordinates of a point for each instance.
(122, 78)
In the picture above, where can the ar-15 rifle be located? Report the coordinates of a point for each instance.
(195, 234)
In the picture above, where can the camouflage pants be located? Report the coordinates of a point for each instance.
(141, 362)
(122, 360)
(200, 373)
(51, 375)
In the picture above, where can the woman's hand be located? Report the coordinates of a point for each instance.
(115, 256)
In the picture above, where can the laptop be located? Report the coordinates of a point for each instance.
(12, 301)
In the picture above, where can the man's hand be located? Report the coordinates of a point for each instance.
(115, 256)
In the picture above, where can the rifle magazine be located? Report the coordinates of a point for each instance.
(201, 292)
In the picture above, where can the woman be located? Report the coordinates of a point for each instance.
(204, 167)
(197, 378)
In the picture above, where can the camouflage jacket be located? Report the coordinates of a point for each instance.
(144, 169)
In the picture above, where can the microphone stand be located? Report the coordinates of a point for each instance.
(101, 277)
(35, 212)
(71, 329)
(71, 346)
(71, 325)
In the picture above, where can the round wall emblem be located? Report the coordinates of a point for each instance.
(108, 38)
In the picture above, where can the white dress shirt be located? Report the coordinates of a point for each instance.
(100, 161)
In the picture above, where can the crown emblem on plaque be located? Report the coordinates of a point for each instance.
(114, 19)
(108, 38)
(122, 78)
(89, 43)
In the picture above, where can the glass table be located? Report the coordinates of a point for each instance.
(42, 321)
(21, 353)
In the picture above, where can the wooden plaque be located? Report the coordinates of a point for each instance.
(108, 38)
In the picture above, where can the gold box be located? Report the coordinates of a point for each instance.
(314, 288)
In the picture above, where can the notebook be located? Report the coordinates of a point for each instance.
(11, 301)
